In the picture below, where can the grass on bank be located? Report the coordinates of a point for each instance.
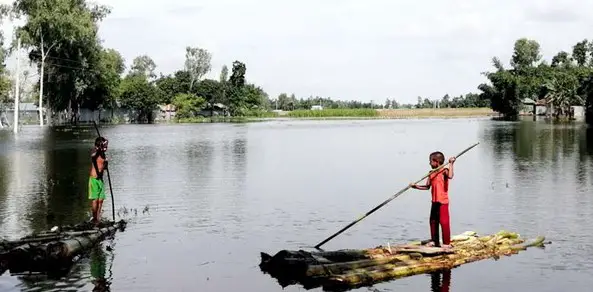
(362, 112)
(435, 112)
(349, 113)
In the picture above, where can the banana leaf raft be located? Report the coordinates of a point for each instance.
(53, 251)
(350, 268)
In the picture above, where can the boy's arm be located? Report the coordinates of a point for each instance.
(449, 171)
(422, 187)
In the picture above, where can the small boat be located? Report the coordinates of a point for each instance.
(352, 268)
(53, 250)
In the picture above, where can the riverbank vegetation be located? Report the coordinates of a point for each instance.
(564, 82)
(79, 74)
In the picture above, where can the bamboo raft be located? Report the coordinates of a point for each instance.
(350, 268)
(50, 251)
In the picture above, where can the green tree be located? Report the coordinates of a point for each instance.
(62, 38)
(579, 52)
(197, 63)
(526, 54)
(171, 85)
(143, 65)
(188, 105)
(235, 90)
(4, 76)
(140, 96)
(211, 91)
(106, 81)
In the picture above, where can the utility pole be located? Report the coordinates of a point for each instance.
(17, 85)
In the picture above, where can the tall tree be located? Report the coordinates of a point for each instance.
(106, 80)
(143, 65)
(4, 78)
(237, 78)
(526, 54)
(64, 31)
(140, 96)
(224, 74)
(197, 63)
(579, 52)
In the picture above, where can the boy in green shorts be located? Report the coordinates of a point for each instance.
(96, 185)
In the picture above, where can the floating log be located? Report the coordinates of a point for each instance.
(346, 269)
(47, 251)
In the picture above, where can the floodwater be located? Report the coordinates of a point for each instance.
(219, 194)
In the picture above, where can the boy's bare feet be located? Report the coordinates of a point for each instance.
(430, 244)
(447, 246)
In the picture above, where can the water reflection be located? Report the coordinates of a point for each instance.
(548, 172)
(98, 269)
(436, 285)
(23, 197)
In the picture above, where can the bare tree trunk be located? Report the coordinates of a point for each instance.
(43, 56)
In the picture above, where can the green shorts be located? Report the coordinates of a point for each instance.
(96, 189)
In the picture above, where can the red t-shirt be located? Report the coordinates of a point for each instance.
(439, 186)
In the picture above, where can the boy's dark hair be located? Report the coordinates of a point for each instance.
(438, 157)
(100, 141)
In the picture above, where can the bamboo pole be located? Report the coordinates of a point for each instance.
(388, 200)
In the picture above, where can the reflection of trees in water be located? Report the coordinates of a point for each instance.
(585, 156)
(98, 261)
(198, 171)
(22, 197)
(537, 146)
(235, 169)
(436, 285)
(4, 179)
(537, 141)
(67, 166)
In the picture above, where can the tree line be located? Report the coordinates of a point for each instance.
(76, 71)
(564, 82)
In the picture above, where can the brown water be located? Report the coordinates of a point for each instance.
(219, 194)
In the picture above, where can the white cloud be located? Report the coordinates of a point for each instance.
(368, 50)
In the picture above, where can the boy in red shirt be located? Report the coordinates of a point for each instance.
(438, 183)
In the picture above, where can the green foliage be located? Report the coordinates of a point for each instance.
(172, 85)
(64, 33)
(562, 84)
(105, 89)
(62, 38)
(210, 90)
(197, 63)
(188, 105)
(4, 77)
(139, 95)
(144, 66)
(237, 78)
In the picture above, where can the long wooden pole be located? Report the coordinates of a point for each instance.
(389, 200)
(109, 180)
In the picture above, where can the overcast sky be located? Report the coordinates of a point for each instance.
(365, 50)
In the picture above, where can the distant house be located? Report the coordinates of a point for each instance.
(527, 107)
(543, 107)
(166, 112)
(217, 109)
(316, 108)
